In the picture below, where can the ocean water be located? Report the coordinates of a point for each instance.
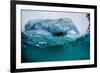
(53, 40)
(58, 48)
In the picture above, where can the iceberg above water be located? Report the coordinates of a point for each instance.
(51, 27)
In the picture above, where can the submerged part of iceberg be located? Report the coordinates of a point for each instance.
(51, 27)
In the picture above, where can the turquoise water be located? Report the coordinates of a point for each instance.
(48, 48)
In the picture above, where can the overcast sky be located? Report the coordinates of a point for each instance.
(79, 19)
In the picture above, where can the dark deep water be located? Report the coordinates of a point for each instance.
(47, 48)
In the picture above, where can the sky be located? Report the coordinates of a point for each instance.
(79, 19)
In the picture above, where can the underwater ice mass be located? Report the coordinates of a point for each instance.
(53, 40)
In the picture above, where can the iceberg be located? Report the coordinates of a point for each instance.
(51, 27)
(49, 32)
